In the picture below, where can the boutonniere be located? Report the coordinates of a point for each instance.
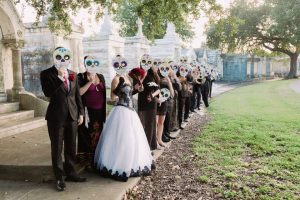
(71, 77)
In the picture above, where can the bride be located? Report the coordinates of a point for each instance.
(123, 150)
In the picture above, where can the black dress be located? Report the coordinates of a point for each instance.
(147, 110)
(88, 137)
(173, 125)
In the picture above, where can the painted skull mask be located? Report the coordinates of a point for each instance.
(183, 70)
(156, 62)
(174, 66)
(62, 58)
(120, 65)
(92, 64)
(146, 62)
(184, 59)
(164, 95)
(195, 73)
(164, 69)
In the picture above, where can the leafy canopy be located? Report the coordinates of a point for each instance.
(253, 26)
(154, 14)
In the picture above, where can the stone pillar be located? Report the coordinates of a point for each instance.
(15, 47)
(2, 90)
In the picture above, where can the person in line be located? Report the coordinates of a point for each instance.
(123, 149)
(93, 94)
(147, 103)
(64, 114)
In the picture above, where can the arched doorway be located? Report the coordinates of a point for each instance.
(11, 42)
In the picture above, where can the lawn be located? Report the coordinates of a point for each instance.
(251, 147)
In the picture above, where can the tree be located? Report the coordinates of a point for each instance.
(154, 13)
(253, 26)
(128, 13)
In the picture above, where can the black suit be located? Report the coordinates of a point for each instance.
(62, 115)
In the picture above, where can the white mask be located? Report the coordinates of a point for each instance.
(195, 73)
(164, 95)
(183, 70)
(92, 65)
(120, 65)
(174, 66)
(62, 58)
(156, 62)
(146, 62)
(164, 69)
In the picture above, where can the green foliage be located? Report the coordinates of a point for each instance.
(251, 149)
(248, 26)
(154, 14)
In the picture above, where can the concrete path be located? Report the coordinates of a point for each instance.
(33, 149)
(295, 86)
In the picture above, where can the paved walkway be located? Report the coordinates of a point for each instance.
(295, 86)
(19, 150)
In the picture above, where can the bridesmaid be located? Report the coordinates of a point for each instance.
(93, 94)
(147, 101)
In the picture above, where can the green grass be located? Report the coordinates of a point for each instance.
(251, 147)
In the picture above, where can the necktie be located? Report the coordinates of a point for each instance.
(66, 84)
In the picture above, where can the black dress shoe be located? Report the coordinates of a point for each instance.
(198, 108)
(164, 138)
(169, 136)
(75, 179)
(60, 185)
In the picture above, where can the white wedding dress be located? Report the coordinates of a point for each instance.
(123, 150)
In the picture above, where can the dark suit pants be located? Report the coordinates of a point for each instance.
(63, 135)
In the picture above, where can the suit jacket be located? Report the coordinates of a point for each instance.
(82, 80)
(63, 103)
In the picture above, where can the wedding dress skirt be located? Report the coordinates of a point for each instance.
(123, 150)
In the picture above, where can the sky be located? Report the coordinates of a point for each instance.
(91, 26)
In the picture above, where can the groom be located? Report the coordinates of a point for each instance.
(64, 114)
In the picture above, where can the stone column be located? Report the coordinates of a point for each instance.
(2, 90)
(15, 47)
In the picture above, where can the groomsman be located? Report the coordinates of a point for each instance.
(64, 114)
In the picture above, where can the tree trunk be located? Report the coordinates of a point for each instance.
(293, 66)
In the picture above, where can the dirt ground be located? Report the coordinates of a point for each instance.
(176, 171)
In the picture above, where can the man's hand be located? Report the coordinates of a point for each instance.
(80, 120)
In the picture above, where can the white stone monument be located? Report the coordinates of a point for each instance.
(136, 47)
(105, 46)
(169, 46)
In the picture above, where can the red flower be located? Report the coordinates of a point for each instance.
(71, 77)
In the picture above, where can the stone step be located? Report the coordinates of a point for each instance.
(17, 127)
(9, 107)
(16, 116)
(3, 97)
(31, 160)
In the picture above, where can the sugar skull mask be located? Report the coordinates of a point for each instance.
(195, 73)
(62, 58)
(184, 59)
(92, 64)
(146, 62)
(183, 70)
(164, 95)
(120, 65)
(174, 66)
(164, 69)
(156, 62)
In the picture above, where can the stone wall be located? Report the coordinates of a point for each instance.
(37, 53)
